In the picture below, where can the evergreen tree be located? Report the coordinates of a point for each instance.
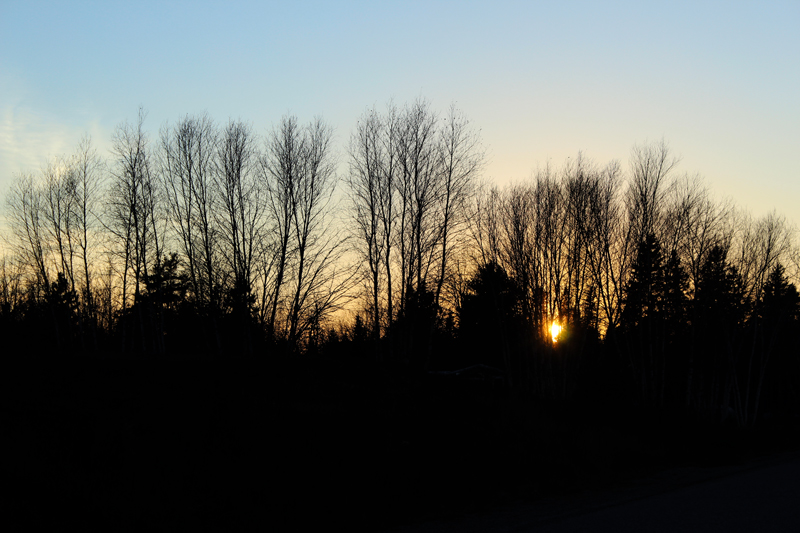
(718, 315)
(62, 300)
(490, 317)
(778, 342)
(417, 326)
(676, 286)
(676, 326)
(645, 293)
(643, 323)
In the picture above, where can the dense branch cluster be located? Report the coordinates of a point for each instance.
(211, 241)
(204, 230)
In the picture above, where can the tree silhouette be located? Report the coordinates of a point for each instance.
(643, 322)
(62, 302)
(644, 297)
(718, 313)
(416, 328)
(490, 318)
(242, 229)
(777, 341)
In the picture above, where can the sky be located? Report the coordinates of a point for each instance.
(541, 81)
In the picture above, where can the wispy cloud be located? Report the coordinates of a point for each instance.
(28, 139)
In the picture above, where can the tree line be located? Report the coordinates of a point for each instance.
(677, 300)
(210, 240)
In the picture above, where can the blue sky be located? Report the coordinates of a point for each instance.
(719, 81)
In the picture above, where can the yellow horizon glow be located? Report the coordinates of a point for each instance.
(555, 331)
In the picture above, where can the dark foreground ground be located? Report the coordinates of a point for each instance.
(143, 445)
(759, 495)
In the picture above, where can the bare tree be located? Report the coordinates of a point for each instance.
(281, 168)
(418, 190)
(517, 248)
(412, 180)
(694, 224)
(484, 217)
(299, 176)
(651, 165)
(610, 247)
(580, 181)
(549, 241)
(461, 160)
(58, 211)
(85, 187)
(12, 276)
(387, 200)
(187, 165)
(51, 223)
(367, 161)
(25, 208)
(132, 216)
(317, 243)
(241, 217)
(762, 246)
(759, 246)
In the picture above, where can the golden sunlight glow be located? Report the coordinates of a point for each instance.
(555, 331)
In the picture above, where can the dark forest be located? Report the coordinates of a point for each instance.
(213, 328)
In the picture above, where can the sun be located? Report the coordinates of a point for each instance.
(555, 331)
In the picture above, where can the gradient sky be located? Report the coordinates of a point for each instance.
(719, 81)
